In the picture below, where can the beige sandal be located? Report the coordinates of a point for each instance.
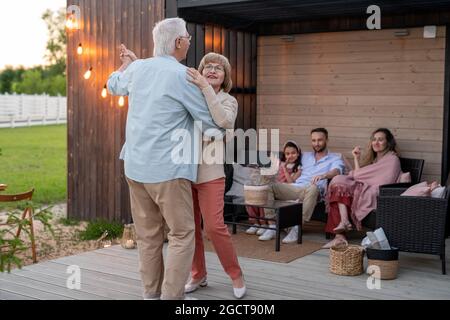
(344, 228)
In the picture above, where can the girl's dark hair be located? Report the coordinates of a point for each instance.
(298, 162)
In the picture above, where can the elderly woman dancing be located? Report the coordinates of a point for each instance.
(213, 78)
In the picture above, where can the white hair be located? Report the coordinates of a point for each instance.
(165, 33)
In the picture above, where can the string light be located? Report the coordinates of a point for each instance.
(88, 74)
(80, 49)
(104, 92)
(121, 101)
(69, 23)
(72, 22)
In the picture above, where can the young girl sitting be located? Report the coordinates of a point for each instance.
(288, 172)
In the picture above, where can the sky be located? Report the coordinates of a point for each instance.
(23, 33)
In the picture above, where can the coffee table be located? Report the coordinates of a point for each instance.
(288, 214)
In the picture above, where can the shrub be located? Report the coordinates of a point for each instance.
(96, 229)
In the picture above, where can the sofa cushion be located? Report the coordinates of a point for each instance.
(241, 176)
(438, 192)
(418, 190)
(404, 177)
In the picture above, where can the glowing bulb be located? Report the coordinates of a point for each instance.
(104, 92)
(69, 23)
(121, 101)
(88, 73)
(72, 22)
(80, 49)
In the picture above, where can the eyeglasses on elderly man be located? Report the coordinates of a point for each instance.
(189, 37)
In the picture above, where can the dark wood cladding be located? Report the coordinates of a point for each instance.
(240, 48)
(273, 17)
(342, 23)
(96, 126)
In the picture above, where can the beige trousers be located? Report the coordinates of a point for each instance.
(283, 191)
(151, 205)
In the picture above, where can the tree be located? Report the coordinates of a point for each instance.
(8, 77)
(32, 83)
(48, 79)
(38, 81)
(57, 39)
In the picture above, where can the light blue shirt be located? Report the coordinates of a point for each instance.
(161, 100)
(312, 168)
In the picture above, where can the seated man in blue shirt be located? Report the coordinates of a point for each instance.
(163, 103)
(317, 168)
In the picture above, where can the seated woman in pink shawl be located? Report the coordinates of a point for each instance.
(353, 197)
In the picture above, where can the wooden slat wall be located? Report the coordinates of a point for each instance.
(96, 126)
(240, 49)
(353, 82)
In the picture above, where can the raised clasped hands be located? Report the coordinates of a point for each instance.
(126, 55)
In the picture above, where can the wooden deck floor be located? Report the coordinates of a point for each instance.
(111, 273)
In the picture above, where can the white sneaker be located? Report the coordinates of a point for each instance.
(253, 229)
(190, 298)
(260, 231)
(292, 236)
(269, 234)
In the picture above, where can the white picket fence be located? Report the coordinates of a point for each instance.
(31, 110)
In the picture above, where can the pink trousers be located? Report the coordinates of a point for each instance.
(254, 213)
(208, 204)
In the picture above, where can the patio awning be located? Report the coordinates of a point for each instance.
(249, 13)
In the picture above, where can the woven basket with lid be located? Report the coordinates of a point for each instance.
(346, 260)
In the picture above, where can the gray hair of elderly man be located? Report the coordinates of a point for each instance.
(165, 33)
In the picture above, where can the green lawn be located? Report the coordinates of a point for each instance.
(35, 157)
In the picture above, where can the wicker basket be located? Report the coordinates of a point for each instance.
(256, 195)
(346, 260)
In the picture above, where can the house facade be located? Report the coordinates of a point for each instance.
(296, 65)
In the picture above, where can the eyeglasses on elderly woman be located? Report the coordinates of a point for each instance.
(210, 67)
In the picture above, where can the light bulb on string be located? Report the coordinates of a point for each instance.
(88, 73)
(80, 49)
(104, 92)
(71, 22)
(121, 101)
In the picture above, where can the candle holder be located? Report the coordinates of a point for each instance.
(129, 237)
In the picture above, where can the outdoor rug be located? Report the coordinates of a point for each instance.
(250, 247)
